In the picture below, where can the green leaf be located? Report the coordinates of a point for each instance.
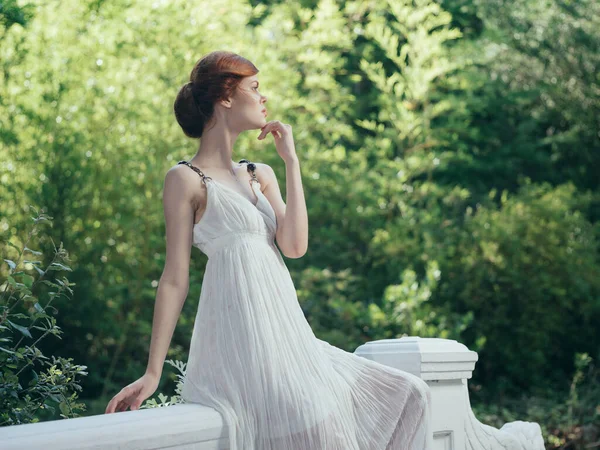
(59, 266)
(27, 280)
(20, 328)
(64, 408)
(11, 264)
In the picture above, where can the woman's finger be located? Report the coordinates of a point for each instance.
(266, 129)
(271, 127)
(114, 403)
(123, 405)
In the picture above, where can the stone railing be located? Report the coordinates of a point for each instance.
(444, 364)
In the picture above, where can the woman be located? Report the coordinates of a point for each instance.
(253, 356)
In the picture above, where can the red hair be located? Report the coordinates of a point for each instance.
(215, 77)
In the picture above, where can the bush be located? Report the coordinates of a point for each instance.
(569, 420)
(529, 273)
(30, 384)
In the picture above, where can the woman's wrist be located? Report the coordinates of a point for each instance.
(292, 161)
(152, 374)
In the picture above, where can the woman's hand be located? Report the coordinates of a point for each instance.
(133, 395)
(284, 140)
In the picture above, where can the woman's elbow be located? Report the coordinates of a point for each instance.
(295, 253)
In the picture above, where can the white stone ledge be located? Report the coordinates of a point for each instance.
(183, 426)
(444, 364)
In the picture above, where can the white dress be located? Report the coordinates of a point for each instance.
(255, 359)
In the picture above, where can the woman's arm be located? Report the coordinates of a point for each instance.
(178, 201)
(178, 198)
(292, 218)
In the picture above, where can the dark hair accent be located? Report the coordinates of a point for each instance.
(214, 77)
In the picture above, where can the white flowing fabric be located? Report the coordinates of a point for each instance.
(255, 359)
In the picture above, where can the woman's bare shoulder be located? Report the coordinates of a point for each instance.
(265, 175)
(182, 181)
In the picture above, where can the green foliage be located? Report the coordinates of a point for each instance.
(407, 309)
(449, 152)
(533, 104)
(530, 278)
(30, 384)
(568, 419)
(327, 301)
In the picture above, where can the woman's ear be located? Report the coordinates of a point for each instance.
(227, 103)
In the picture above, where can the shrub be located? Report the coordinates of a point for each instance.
(30, 382)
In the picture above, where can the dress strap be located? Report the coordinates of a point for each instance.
(197, 170)
(251, 168)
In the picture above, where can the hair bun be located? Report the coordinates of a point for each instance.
(214, 77)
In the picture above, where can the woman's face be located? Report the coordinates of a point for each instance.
(248, 106)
